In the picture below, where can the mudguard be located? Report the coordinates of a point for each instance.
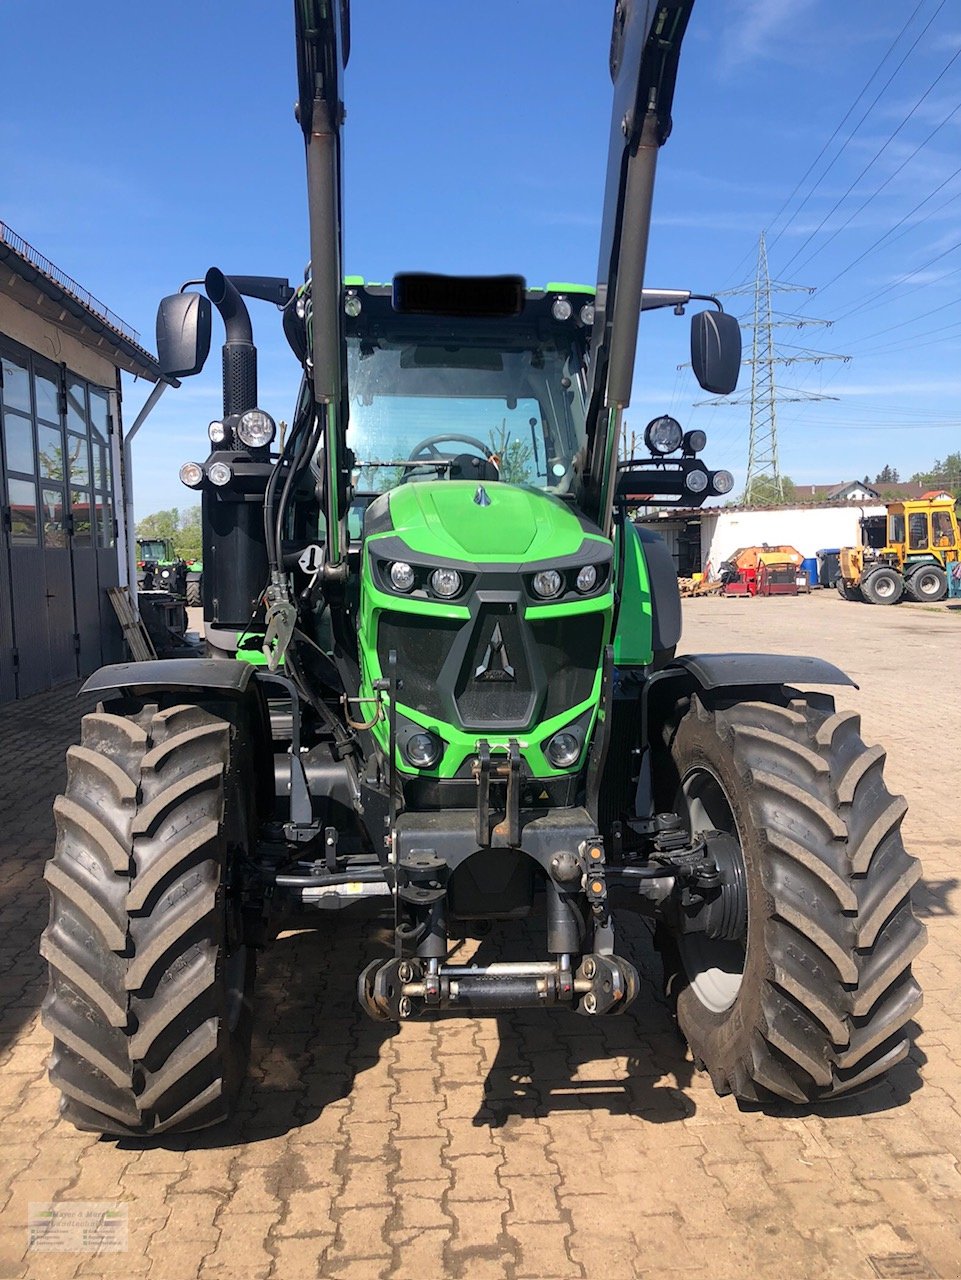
(733, 670)
(212, 675)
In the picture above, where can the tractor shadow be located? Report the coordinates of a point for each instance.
(554, 1061)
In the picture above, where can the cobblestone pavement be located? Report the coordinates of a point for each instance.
(523, 1146)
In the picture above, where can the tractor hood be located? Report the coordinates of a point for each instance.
(489, 522)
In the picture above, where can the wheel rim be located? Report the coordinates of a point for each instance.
(714, 966)
(928, 584)
(884, 588)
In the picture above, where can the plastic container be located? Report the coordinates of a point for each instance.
(809, 565)
(829, 565)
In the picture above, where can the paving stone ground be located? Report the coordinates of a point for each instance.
(535, 1145)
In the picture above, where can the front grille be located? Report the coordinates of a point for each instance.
(422, 646)
(570, 652)
(495, 673)
(497, 684)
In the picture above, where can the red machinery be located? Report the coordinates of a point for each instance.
(762, 571)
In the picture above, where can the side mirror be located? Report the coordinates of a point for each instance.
(716, 351)
(183, 334)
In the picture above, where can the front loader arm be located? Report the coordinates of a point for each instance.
(323, 44)
(645, 49)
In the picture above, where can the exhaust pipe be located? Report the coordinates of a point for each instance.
(239, 352)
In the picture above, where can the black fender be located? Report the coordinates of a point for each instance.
(201, 675)
(740, 670)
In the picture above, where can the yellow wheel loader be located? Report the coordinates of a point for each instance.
(921, 543)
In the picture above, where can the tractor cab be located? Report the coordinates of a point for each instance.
(923, 530)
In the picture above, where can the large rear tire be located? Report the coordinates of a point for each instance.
(813, 1001)
(150, 978)
(194, 590)
(882, 586)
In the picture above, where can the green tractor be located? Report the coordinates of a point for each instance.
(441, 676)
(159, 568)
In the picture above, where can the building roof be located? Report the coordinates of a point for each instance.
(671, 513)
(834, 492)
(37, 284)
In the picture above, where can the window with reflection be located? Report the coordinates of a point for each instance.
(16, 385)
(18, 443)
(48, 399)
(918, 530)
(54, 517)
(22, 500)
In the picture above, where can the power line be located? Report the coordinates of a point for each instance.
(884, 146)
(877, 191)
(897, 283)
(813, 165)
(900, 222)
(874, 103)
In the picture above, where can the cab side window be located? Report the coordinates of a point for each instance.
(941, 528)
(918, 530)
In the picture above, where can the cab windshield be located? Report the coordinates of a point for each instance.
(420, 410)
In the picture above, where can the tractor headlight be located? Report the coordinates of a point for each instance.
(352, 305)
(446, 582)
(547, 583)
(401, 575)
(217, 432)
(256, 428)
(696, 481)
(695, 441)
(192, 475)
(422, 750)
(663, 435)
(562, 309)
(587, 579)
(723, 482)
(563, 750)
(586, 314)
(219, 473)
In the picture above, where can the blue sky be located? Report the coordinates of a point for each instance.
(141, 144)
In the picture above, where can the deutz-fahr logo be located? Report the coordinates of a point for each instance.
(495, 665)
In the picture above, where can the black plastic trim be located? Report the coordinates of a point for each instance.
(176, 673)
(729, 670)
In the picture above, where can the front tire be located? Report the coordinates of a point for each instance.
(882, 586)
(150, 978)
(813, 1001)
(193, 591)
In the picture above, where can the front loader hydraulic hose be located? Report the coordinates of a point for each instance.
(302, 416)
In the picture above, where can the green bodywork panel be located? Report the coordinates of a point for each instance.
(442, 519)
(521, 526)
(633, 635)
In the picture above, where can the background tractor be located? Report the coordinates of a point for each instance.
(159, 568)
(468, 707)
(921, 543)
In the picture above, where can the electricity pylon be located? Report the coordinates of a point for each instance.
(763, 469)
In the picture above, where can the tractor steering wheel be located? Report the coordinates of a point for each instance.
(429, 446)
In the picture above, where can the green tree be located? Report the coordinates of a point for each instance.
(944, 474)
(887, 475)
(515, 456)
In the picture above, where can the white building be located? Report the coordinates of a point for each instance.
(701, 539)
